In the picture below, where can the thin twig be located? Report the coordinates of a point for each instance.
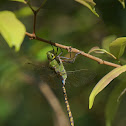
(43, 3)
(70, 49)
(34, 24)
(35, 14)
(28, 3)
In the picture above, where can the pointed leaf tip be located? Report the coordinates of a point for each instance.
(90, 4)
(22, 1)
(104, 82)
(91, 102)
(122, 2)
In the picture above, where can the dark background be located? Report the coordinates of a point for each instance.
(69, 23)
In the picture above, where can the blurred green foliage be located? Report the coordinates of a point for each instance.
(11, 29)
(68, 23)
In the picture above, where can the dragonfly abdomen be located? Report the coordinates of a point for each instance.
(68, 106)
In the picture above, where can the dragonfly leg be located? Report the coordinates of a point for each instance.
(59, 59)
(60, 56)
(69, 60)
(53, 49)
(57, 49)
(60, 53)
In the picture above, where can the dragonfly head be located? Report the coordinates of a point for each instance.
(50, 56)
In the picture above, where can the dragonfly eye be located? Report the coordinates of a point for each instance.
(53, 56)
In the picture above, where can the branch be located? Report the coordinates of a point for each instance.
(70, 49)
(43, 3)
(35, 12)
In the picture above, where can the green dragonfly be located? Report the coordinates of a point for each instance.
(56, 64)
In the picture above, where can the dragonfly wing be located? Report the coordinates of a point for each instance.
(43, 73)
(75, 78)
(80, 78)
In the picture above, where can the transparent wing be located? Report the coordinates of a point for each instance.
(81, 77)
(76, 78)
(41, 72)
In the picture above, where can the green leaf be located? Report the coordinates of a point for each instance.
(112, 104)
(95, 49)
(23, 1)
(24, 12)
(11, 29)
(98, 50)
(107, 40)
(122, 2)
(117, 47)
(104, 82)
(89, 4)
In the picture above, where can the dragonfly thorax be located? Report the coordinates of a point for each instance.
(57, 65)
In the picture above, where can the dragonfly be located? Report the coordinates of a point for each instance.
(56, 64)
